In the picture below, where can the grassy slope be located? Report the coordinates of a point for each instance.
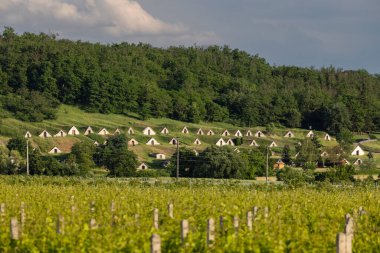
(68, 116)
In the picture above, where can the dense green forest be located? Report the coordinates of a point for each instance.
(38, 72)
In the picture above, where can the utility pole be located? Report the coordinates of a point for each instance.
(266, 171)
(177, 158)
(27, 157)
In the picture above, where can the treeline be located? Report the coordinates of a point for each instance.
(38, 72)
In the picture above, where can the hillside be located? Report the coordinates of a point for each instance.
(68, 116)
(38, 72)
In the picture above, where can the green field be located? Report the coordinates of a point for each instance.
(302, 220)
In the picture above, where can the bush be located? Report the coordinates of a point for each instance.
(337, 174)
(295, 177)
(152, 173)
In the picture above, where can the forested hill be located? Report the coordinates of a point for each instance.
(38, 72)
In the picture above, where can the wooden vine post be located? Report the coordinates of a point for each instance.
(155, 244)
(184, 230)
(210, 231)
(155, 218)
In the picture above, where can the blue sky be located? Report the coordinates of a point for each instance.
(342, 33)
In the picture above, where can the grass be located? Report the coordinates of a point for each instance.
(373, 146)
(69, 116)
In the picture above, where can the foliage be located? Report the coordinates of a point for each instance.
(300, 220)
(337, 174)
(295, 177)
(189, 84)
(222, 162)
(116, 157)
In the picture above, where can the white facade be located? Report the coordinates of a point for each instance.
(88, 131)
(358, 151)
(152, 142)
(249, 133)
(230, 142)
(61, 133)
(289, 134)
(130, 131)
(55, 150)
(210, 132)
(132, 142)
(103, 132)
(310, 134)
(238, 134)
(200, 132)
(226, 133)
(197, 142)
(185, 130)
(253, 143)
(73, 131)
(45, 134)
(259, 134)
(148, 131)
(28, 135)
(273, 144)
(165, 131)
(142, 166)
(173, 141)
(221, 142)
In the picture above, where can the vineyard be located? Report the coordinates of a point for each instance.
(109, 215)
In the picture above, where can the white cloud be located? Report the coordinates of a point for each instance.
(114, 17)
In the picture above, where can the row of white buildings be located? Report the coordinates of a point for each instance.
(150, 132)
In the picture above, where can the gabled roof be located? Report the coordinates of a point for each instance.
(289, 134)
(310, 134)
(248, 133)
(185, 130)
(238, 133)
(103, 131)
(225, 133)
(28, 135)
(55, 150)
(88, 131)
(117, 131)
(143, 166)
(210, 132)
(130, 130)
(133, 142)
(148, 131)
(327, 137)
(254, 143)
(259, 134)
(197, 142)
(173, 141)
(73, 131)
(357, 151)
(200, 132)
(61, 133)
(45, 134)
(273, 144)
(152, 142)
(164, 131)
(220, 142)
(230, 142)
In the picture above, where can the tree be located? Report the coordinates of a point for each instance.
(285, 156)
(18, 144)
(308, 154)
(345, 139)
(82, 155)
(116, 157)
(188, 162)
(221, 162)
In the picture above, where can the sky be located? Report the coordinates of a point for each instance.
(307, 33)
